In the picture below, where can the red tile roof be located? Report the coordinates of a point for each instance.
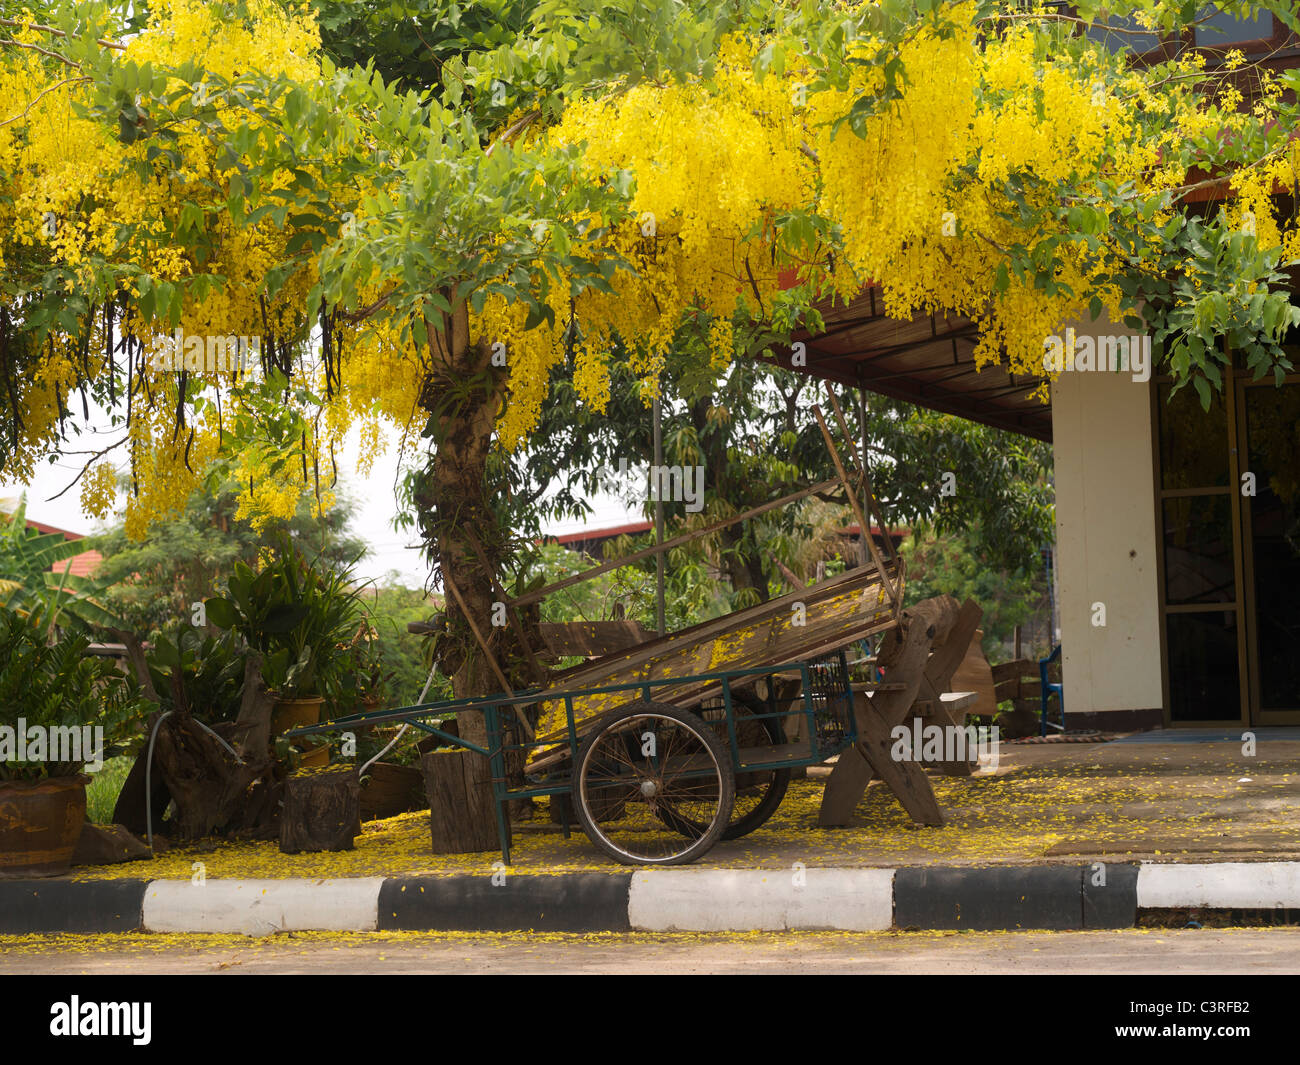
(83, 565)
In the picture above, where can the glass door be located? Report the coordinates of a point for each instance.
(1269, 442)
(1200, 558)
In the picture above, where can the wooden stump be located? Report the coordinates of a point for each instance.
(390, 790)
(322, 810)
(462, 811)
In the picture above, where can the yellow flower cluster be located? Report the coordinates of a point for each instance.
(917, 202)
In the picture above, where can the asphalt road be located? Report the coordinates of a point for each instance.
(1220, 951)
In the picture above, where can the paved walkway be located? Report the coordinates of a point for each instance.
(1107, 953)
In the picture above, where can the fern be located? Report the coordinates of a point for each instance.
(55, 684)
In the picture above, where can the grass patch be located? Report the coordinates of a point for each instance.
(104, 788)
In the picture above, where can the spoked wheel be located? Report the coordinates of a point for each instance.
(643, 767)
(758, 792)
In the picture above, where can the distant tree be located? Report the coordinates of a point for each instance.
(157, 581)
(957, 564)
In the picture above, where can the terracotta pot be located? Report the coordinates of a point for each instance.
(40, 823)
(316, 758)
(295, 713)
(391, 790)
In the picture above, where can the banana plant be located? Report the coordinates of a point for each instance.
(28, 581)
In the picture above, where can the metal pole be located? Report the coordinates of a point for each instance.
(658, 481)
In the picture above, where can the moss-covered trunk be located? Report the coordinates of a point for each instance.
(462, 395)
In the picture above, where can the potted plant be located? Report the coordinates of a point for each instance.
(59, 710)
(297, 615)
(197, 673)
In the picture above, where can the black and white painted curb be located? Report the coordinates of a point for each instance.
(690, 900)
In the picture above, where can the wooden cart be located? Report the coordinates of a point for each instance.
(661, 749)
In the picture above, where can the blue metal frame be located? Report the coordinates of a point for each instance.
(1045, 690)
(497, 730)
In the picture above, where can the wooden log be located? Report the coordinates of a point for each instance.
(322, 810)
(462, 809)
(391, 789)
(108, 845)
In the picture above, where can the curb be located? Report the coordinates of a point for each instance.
(998, 898)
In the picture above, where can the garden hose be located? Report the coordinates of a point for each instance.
(402, 731)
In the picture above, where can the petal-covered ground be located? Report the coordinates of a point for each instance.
(1069, 804)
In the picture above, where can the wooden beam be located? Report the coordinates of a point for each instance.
(593, 639)
(860, 463)
(894, 597)
(492, 661)
(676, 541)
(790, 579)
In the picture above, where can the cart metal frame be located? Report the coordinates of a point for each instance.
(830, 729)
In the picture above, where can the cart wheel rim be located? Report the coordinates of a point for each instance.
(644, 769)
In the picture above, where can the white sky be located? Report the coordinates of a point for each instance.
(372, 521)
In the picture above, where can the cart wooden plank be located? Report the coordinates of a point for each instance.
(794, 627)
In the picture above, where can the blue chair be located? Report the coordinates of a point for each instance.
(1046, 688)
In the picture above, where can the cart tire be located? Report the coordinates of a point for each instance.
(746, 816)
(613, 771)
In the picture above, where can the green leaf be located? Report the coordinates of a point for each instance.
(1203, 390)
(222, 613)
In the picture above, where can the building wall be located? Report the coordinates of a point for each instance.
(1106, 549)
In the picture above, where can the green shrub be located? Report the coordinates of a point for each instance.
(54, 685)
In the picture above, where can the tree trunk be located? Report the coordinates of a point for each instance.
(214, 794)
(130, 810)
(463, 396)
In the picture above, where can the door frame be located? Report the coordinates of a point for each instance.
(1232, 491)
(1257, 714)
